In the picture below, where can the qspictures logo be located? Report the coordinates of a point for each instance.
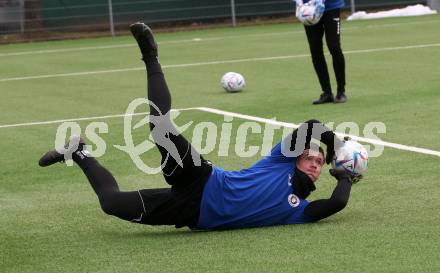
(207, 136)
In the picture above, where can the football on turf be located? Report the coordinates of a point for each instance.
(233, 82)
(351, 157)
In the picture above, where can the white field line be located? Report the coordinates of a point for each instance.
(81, 119)
(241, 116)
(208, 39)
(214, 63)
(48, 51)
(292, 125)
(72, 74)
(193, 40)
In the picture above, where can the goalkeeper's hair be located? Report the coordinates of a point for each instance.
(315, 147)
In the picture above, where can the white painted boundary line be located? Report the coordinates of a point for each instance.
(241, 116)
(72, 74)
(207, 39)
(143, 68)
(215, 62)
(292, 125)
(194, 40)
(48, 51)
(80, 119)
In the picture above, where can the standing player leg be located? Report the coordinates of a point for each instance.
(315, 34)
(333, 38)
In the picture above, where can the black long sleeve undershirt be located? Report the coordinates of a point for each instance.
(323, 208)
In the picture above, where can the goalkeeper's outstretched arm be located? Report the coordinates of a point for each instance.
(323, 208)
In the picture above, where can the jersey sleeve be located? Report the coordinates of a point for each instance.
(277, 155)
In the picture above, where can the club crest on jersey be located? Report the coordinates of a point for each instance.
(293, 200)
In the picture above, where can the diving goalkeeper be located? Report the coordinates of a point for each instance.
(273, 191)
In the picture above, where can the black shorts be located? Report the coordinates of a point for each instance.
(180, 204)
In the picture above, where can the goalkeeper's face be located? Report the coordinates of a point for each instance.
(310, 163)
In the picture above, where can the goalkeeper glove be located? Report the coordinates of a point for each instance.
(341, 174)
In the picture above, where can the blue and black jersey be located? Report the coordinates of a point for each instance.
(260, 195)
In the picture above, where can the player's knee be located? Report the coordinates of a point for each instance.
(335, 50)
(317, 51)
